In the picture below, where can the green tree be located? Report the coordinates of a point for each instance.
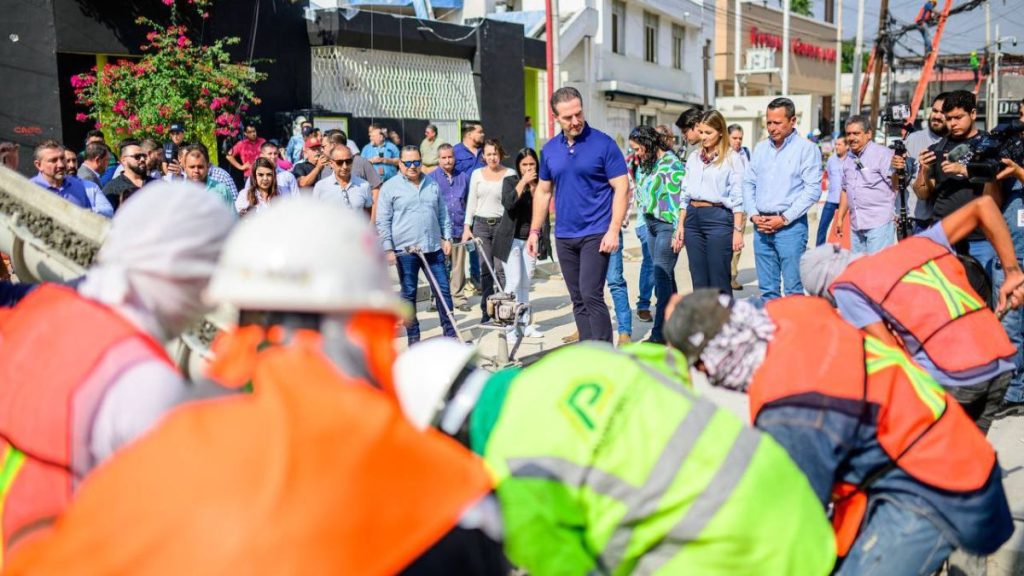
(848, 49)
(802, 7)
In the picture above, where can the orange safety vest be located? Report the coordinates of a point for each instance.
(59, 352)
(817, 359)
(312, 473)
(923, 288)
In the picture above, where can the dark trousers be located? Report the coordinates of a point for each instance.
(659, 239)
(708, 236)
(584, 268)
(485, 229)
(828, 211)
(409, 266)
(981, 401)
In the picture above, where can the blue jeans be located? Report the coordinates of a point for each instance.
(777, 259)
(984, 253)
(708, 238)
(1013, 322)
(873, 240)
(474, 266)
(643, 298)
(659, 238)
(828, 211)
(620, 294)
(896, 539)
(409, 266)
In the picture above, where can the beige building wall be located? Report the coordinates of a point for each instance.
(808, 73)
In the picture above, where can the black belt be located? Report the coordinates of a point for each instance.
(769, 213)
(488, 221)
(706, 204)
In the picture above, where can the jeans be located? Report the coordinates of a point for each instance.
(896, 539)
(777, 259)
(659, 238)
(584, 268)
(519, 270)
(474, 266)
(708, 237)
(828, 211)
(984, 253)
(409, 266)
(1013, 322)
(484, 229)
(643, 298)
(620, 293)
(981, 401)
(873, 240)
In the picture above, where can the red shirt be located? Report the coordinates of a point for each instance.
(248, 151)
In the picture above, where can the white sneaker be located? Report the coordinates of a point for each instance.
(532, 331)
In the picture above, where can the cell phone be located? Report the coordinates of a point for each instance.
(170, 152)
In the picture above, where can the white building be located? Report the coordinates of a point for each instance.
(634, 61)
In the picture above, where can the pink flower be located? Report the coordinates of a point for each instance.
(204, 91)
(99, 125)
(159, 129)
(120, 106)
(182, 42)
(151, 36)
(81, 117)
(168, 2)
(187, 104)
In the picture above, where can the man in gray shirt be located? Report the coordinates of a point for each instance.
(920, 211)
(94, 162)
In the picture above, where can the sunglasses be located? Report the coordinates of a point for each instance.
(140, 156)
(412, 163)
(344, 162)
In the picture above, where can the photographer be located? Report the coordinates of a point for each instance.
(943, 177)
(920, 211)
(307, 172)
(171, 162)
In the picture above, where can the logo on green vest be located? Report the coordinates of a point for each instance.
(881, 356)
(583, 403)
(958, 301)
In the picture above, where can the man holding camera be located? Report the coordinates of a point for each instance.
(943, 179)
(920, 211)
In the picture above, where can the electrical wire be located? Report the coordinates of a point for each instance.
(424, 27)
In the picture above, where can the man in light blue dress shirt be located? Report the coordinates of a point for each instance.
(411, 214)
(782, 182)
(344, 189)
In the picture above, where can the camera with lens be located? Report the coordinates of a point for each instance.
(503, 308)
(984, 160)
(895, 118)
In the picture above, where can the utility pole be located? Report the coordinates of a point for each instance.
(858, 48)
(785, 47)
(737, 44)
(707, 69)
(880, 51)
(995, 78)
(990, 98)
(836, 106)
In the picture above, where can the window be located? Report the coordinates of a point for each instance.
(678, 46)
(648, 120)
(650, 37)
(618, 27)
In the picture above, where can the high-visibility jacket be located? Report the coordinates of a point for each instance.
(312, 473)
(923, 287)
(608, 462)
(59, 354)
(817, 359)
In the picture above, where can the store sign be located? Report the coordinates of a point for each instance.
(1008, 108)
(761, 59)
(796, 46)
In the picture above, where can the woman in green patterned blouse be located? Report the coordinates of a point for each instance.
(659, 186)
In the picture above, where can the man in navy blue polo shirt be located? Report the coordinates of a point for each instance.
(591, 193)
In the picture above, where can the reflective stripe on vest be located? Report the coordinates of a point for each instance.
(958, 301)
(11, 465)
(881, 356)
(641, 502)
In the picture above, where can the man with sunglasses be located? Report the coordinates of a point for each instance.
(412, 217)
(869, 193)
(134, 176)
(344, 189)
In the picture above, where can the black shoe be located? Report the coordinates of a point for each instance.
(644, 315)
(1009, 409)
(655, 341)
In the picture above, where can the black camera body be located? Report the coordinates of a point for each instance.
(988, 151)
(170, 152)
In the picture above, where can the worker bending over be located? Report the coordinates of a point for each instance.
(917, 295)
(608, 463)
(84, 372)
(909, 475)
(316, 471)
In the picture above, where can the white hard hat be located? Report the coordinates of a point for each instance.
(304, 255)
(424, 373)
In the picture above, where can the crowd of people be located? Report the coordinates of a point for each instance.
(873, 374)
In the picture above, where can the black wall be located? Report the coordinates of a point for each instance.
(29, 100)
(499, 81)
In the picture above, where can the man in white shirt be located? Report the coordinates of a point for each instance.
(286, 182)
(344, 189)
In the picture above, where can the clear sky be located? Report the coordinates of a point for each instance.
(964, 32)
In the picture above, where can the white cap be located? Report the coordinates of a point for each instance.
(424, 373)
(304, 255)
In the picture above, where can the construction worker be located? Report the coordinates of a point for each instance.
(84, 372)
(608, 463)
(909, 476)
(917, 295)
(316, 471)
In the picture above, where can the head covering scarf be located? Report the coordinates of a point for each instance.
(732, 356)
(162, 249)
(822, 265)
